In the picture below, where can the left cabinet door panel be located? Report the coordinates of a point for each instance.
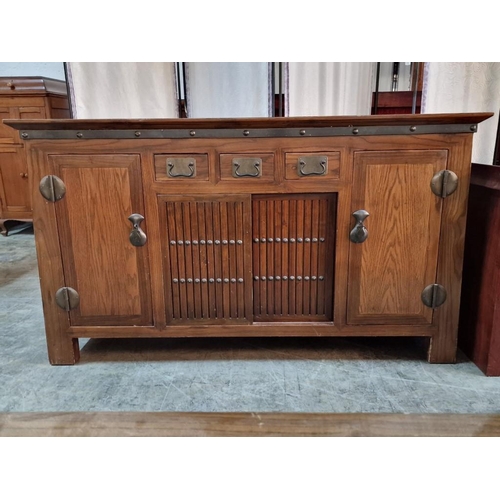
(110, 275)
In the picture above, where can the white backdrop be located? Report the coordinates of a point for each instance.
(461, 87)
(123, 89)
(228, 89)
(330, 88)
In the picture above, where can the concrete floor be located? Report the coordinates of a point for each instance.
(260, 375)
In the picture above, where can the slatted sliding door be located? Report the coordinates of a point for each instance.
(293, 257)
(207, 258)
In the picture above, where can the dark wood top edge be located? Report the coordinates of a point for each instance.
(250, 123)
(487, 176)
(162, 424)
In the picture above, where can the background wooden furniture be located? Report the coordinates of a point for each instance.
(185, 228)
(23, 98)
(479, 333)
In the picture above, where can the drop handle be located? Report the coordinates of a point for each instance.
(137, 236)
(359, 232)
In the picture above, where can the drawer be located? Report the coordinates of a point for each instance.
(316, 165)
(256, 167)
(181, 167)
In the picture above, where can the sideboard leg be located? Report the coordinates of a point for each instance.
(63, 351)
(3, 228)
(442, 349)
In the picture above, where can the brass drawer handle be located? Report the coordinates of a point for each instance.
(359, 232)
(137, 236)
(313, 165)
(247, 167)
(185, 167)
(24, 175)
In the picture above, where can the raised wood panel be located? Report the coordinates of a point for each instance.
(7, 134)
(31, 112)
(293, 241)
(207, 262)
(15, 181)
(109, 273)
(389, 270)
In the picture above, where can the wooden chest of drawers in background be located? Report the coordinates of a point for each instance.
(22, 98)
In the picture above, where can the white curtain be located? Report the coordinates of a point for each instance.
(330, 88)
(228, 89)
(123, 89)
(462, 87)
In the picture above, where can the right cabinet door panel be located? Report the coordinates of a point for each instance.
(398, 259)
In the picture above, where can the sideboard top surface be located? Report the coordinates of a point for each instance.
(251, 123)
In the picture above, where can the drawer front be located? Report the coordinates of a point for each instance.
(316, 165)
(248, 167)
(181, 167)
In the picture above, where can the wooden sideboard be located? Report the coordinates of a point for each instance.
(334, 226)
(23, 98)
(479, 333)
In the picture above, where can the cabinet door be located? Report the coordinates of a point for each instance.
(293, 256)
(110, 275)
(207, 258)
(390, 269)
(14, 181)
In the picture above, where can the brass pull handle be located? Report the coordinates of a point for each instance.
(137, 236)
(359, 232)
(11, 85)
(23, 175)
(255, 165)
(190, 164)
(313, 166)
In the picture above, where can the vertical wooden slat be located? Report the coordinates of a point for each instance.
(270, 256)
(218, 285)
(257, 302)
(277, 257)
(224, 256)
(188, 256)
(212, 295)
(284, 256)
(202, 250)
(331, 215)
(314, 255)
(246, 230)
(263, 259)
(174, 269)
(306, 283)
(240, 261)
(292, 267)
(299, 288)
(181, 260)
(195, 250)
(233, 290)
(322, 255)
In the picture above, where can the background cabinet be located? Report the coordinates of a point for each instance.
(23, 98)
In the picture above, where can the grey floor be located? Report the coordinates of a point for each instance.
(283, 375)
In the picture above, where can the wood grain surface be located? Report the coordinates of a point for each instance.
(390, 269)
(100, 263)
(117, 424)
